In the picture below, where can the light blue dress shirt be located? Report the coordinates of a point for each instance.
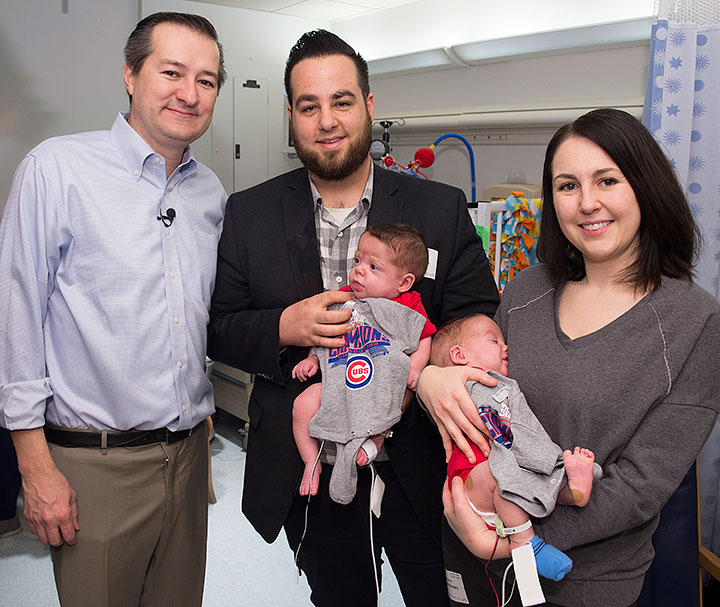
(103, 309)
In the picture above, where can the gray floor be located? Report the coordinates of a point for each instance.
(241, 569)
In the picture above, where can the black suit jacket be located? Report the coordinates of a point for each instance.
(267, 260)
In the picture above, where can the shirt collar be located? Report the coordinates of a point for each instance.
(135, 151)
(365, 198)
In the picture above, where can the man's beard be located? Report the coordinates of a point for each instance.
(336, 167)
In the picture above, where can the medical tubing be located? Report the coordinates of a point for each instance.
(470, 152)
(512, 589)
(373, 475)
(307, 508)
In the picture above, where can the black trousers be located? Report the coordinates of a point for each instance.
(336, 554)
(9, 477)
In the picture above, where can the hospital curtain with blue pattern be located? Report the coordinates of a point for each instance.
(682, 111)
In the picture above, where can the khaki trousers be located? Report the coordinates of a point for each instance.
(142, 513)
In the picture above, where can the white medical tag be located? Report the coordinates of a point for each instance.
(432, 263)
(527, 576)
(456, 588)
(376, 494)
(501, 394)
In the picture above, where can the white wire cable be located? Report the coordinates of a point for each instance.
(305, 525)
(372, 539)
(504, 579)
(370, 512)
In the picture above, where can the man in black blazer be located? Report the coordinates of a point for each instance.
(287, 244)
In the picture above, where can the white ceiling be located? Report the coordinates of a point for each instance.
(325, 10)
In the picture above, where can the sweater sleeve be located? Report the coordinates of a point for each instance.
(644, 474)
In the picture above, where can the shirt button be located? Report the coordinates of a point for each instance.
(184, 408)
(180, 365)
(338, 279)
(339, 234)
(167, 231)
(136, 172)
(177, 320)
(172, 275)
(157, 160)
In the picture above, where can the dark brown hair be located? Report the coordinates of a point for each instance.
(139, 44)
(407, 245)
(668, 237)
(321, 43)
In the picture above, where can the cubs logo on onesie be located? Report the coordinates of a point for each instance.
(363, 383)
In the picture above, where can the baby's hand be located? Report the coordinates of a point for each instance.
(413, 378)
(306, 368)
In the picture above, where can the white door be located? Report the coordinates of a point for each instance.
(250, 131)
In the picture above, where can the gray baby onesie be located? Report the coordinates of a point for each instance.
(363, 383)
(530, 473)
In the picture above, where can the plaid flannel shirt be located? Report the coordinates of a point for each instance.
(338, 243)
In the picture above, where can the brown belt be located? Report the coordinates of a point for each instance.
(104, 439)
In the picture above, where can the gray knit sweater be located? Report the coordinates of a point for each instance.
(642, 393)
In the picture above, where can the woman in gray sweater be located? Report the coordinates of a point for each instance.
(614, 347)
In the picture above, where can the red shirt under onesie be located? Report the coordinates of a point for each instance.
(412, 300)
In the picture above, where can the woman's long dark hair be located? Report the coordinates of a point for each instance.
(668, 237)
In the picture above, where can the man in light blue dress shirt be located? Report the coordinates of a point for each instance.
(107, 264)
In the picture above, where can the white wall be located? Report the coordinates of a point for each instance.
(256, 45)
(557, 80)
(493, 163)
(583, 79)
(60, 73)
(428, 24)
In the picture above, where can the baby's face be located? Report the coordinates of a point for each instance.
(484, 346)
(374, 273)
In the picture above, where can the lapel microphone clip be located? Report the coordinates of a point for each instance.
(168, 218)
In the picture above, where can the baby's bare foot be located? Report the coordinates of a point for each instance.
(310, 482)
(579, 470)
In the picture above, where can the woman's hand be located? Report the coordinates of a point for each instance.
(442, 391)
(469, 527)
